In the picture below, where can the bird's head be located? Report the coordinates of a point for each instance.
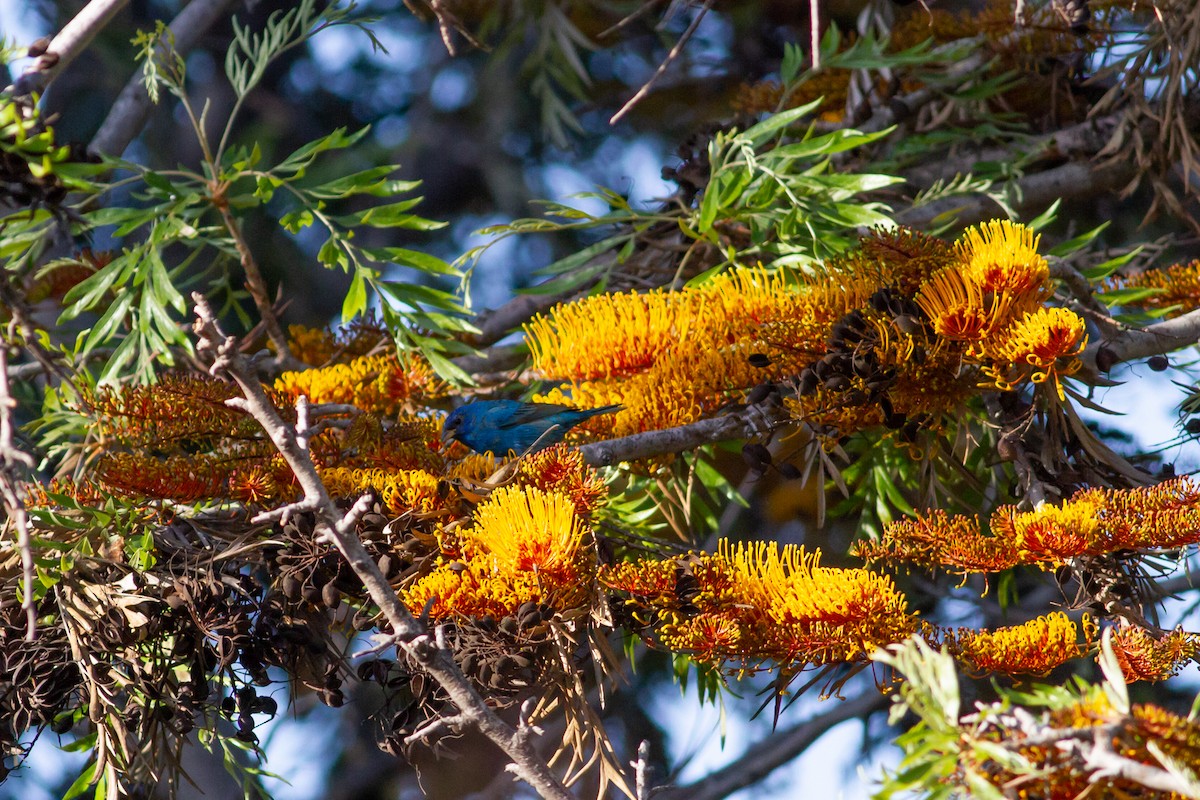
(455, 425)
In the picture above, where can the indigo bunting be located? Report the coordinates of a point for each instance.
(497, 426)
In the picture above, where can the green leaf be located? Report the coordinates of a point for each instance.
(392, 215)
(109, 321)
(1071, 246)
(1103, 270)
(834, 142)
(82, 783)
(306, 154)
(760, 133)
(294, 221)
(412, 258)
(369, 181)
(355, 302)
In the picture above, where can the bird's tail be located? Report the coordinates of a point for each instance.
(594, 412)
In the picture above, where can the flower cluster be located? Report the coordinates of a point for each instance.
(1173, 290)
(1034, 647)
(378, 384)
(900, 332)
(524, 545)
(670, 357)
(1145, 656)
(751, 605)
(1091, 522)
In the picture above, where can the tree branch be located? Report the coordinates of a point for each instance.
(411, 635)
(778, 749)
(12, 461)
(1032, 193)
(66, 46)
(131, 108)
(734, 425)
(1134, 343)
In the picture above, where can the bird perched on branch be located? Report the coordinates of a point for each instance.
(498, 426)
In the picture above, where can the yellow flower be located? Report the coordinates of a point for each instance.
(1001, 257)
(379, 384)
(959, 309)
(1044, 345)
(525, 545)
(755, 603)
(1037, 646)
(399, 490)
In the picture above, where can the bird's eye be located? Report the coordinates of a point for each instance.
(454, 423)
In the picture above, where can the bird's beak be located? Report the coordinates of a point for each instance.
(447, 438)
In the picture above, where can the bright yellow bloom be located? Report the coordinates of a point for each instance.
(379, 384)
(1044, 345)
(958, 307)
(751, 604)
(1036, 647)
(525, 545)
(399, 490)
(1001, 257)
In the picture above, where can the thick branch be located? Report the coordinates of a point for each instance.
(1030, 194)
(735, 425)
(1134, 343)
(66, 46)
(778, 749)
(411, 635)
(129, 112)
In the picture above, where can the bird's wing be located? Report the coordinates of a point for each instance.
(526, 413)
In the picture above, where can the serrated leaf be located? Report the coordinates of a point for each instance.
(355, 301)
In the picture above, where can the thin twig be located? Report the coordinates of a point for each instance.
(132, 107)
(662, 68)
(12, 459)
(814, 32)
(257, 287)
(66, 46)
(411, 636)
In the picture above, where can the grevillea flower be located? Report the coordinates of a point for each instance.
(1044, 345)
(1034, 647)
(1176, 288)
(399, 490)
(751, 604)
(524, 545)
(959, 309)
(1145, 656)
(1091, 522)
(379, 384)
(1001, 257)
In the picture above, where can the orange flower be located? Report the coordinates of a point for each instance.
(1036, 647)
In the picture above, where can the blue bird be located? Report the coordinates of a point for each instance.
(497, 426)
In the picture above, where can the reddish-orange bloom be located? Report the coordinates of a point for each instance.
(1035, 647)
(1091, 522)
(1145, 656)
